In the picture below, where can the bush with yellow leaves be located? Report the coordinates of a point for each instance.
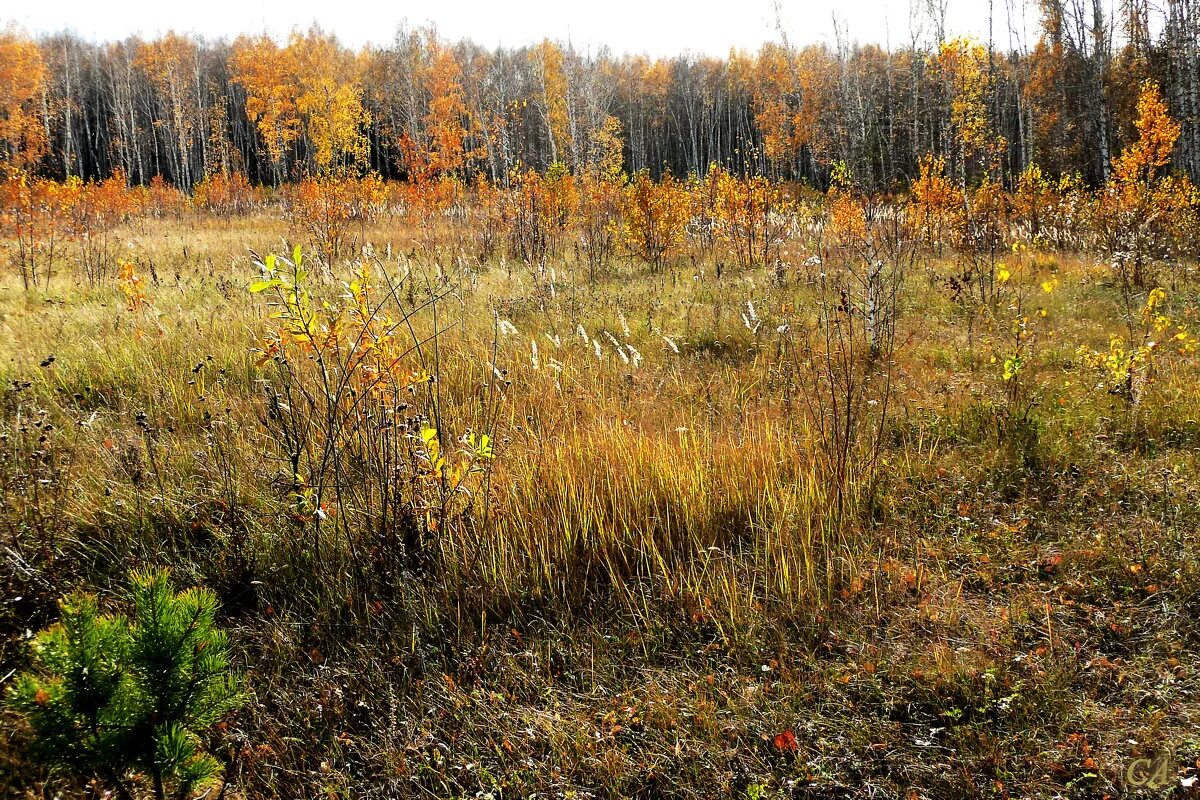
(1132, 361)
(373, 471)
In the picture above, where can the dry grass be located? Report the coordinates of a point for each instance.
(653, 580)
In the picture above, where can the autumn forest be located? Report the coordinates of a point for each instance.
(182, 109)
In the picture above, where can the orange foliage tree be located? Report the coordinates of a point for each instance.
(449, 123)
(263, 69)
(22, 82)
(329, 101)
(310, 92)
(965, 69)
(792, 94)
(170, 64)
(1141, 205)
(552, 100)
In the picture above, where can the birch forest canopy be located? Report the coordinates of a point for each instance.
(184, 108)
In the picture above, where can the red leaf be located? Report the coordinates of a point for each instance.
(786, 742)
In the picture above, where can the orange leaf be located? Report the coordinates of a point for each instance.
(785, 742)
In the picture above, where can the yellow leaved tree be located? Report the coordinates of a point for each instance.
(22, 81)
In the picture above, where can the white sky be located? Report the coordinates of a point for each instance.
(655, 27)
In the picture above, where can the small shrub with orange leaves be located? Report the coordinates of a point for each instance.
(543, 211)
(36, 216)
(428, 199)
(871, 244)
(225, 195)
(935, 203)
(96, 209)
(433, 206)
(1048, 213)
(164, 200)
(753, 216)
(485, 222)
(45, 217)
(599, 227)
(328, 209)
(656, 216)
(1032, 199)
(846, 211)
(980, 239)
(704, 226)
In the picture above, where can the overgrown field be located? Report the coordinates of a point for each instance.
(898, 501)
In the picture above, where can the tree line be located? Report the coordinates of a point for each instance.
(183, 108)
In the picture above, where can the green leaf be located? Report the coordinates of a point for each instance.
(484, 449)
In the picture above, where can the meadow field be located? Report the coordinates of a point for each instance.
(850, 496)
(415, 419)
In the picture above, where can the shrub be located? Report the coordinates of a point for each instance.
(328, 209)
(355, 405)
(656, 217)
(225, 195)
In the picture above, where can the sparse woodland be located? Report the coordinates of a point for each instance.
(430, 421)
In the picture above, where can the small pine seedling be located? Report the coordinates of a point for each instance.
(125, 700)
